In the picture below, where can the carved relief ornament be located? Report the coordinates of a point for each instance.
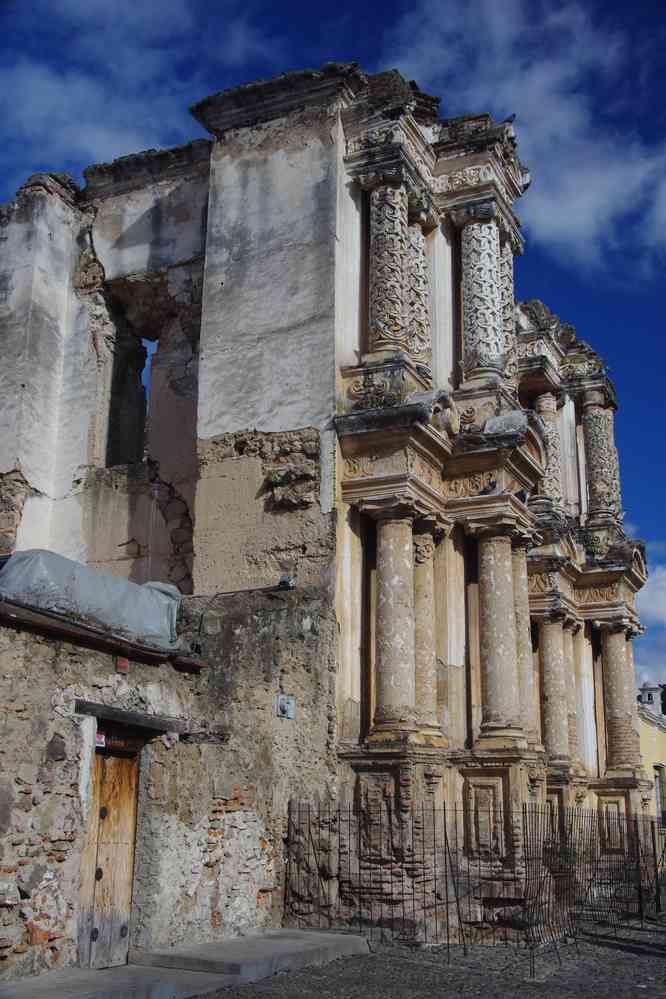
(469, 485)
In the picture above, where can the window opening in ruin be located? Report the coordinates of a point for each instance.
(127, 407)
(150, 347)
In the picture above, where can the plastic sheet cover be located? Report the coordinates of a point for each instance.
(144, 614)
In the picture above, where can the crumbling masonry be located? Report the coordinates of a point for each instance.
(342, 390)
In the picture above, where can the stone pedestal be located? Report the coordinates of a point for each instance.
(623, 746)
(395, 708)
(554, 683)
(524, 644)
(500, 724)
(424, 627)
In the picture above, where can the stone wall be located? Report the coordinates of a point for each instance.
(212, 800)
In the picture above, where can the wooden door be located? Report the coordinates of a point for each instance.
(107, 863)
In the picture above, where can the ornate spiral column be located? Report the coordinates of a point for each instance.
(395, 708)
(484, 338)
(623, 748)
(388, 254)
(554, 685)
(500, 716)
(424, 617)
(570, 628)
(603, 475)
(546, 407)
(521, 602)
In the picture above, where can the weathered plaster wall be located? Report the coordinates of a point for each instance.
(444, 348)
(38, 231)
(212, 802)
(269, 285)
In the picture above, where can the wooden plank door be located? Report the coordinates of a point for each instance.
(108, 862)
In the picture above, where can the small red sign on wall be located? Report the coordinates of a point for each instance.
(122, 664)
(100, 740)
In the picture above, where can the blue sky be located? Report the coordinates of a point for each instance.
(84, 81)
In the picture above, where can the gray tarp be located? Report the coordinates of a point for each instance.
(46, 581)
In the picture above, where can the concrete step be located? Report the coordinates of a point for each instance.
(257, 955)
(193, 972)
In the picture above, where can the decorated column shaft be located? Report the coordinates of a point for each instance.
(388, 255)
(485, 345)
(623, 747)
(554, 687)
(570, 628)
(524, 642)
(508, 302)
(546, 407)
(417, 296)
(395, 707)
(500, 695)
(425, 638)
(603, 474)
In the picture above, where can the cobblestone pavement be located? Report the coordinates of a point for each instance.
(601, 964)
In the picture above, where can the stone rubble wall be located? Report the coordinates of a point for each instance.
(212, 802)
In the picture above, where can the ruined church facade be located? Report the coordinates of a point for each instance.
(293, 350)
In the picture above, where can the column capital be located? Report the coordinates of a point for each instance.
(572, 624)
(381, 178)
(390, 508)
(613, 625)
(474, 211)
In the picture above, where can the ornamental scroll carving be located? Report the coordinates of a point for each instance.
(388, 248)
(538, 348)
(373, 391)
(424, 548)
(362, 465)
(417, 298)
(423, 470)
(541, 582)
(484, 338)
(602, 461)
(470, 485)
(597, 594)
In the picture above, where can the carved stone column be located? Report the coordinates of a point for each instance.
(582, 722)
(570, 628)
(484, 338)
(603, 476)
(508, 305)
(524, 640)
(623, 747)
(554, 684)
(395, 708)
(546, 407)
(500, 716)
(425, 637)
(417, 297)
(388, 255)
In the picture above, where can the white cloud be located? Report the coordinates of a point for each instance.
(99, 80)
(562, 74)
(651, 601)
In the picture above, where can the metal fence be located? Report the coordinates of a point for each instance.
(459, 877)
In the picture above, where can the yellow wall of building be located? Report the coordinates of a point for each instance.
(653, 751)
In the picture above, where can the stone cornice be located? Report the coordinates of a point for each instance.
(493, 514)
(149, 167)
(265, 100)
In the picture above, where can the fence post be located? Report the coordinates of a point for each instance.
(639, 878)
(655, 854)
